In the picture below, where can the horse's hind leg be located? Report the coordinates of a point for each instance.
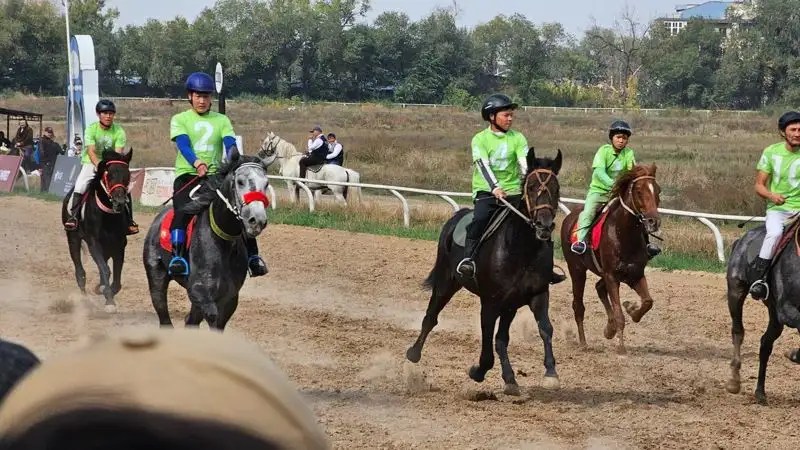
(578, 278)
(226, 311)
(602, 292)
(74, 242)
(647, 301)
(158, 282)
(736, 296)
(439, 299)
(541, 311)
(501, 347)
(489, 316)
(773, 332)
(619, 317)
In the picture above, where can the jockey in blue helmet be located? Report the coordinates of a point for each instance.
(200, 135)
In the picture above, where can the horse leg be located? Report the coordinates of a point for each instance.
(226, 311)
(157, 283)
(337, 194)
(501, 347)
(773, 332)
(612, 286)
(578, 278)
(194, 317)
(203, 305)
(74, 242)
(602, 292)
(540, 307)
(647, 301)
(102, 267)
(439, 299)
(489, 316)
(736, 297)
(116, 284)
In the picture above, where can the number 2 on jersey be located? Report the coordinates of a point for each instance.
(202, 145)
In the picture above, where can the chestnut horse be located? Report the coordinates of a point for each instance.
(632, 215)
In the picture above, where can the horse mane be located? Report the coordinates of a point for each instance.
(214, 182)
(626, 178)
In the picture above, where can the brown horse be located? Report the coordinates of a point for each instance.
(632, 214)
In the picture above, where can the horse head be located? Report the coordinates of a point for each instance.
(114, 176)
(244, 189)
(540, 190)
(269, 148)
(640, 194)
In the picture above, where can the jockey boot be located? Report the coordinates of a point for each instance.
(255, 265)
(178, 264)
(652, 250)
(133, 227)
(467, 266)
(759, 289)
(71, 224)
(557, 278)
(578, 247)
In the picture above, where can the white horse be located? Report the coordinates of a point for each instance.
(288, 159)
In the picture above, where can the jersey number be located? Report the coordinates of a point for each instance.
(793, 181)
(202, 145)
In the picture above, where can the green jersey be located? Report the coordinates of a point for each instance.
(103, 140)
(783, 166)
(612, 163)
(206, 133)
(499, 152)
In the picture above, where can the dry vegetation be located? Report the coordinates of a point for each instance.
(705, 162)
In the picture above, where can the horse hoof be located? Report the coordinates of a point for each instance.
(621, 350)
(551, 383)
(793, 355)
(610, 331)
(761, 399)
(111, 309)
(733, 386)
(512, 389)
(413, 355)
(98, 290)
(473, 374)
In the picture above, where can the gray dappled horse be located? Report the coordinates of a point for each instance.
(228, 204)
(782, 302)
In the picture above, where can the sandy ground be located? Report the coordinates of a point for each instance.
(338, 311)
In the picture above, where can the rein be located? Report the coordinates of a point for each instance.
(108, 190)
(246, 199)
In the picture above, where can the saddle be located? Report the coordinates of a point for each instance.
(596, 227)
(315, 168)
(460, 232)
(166, 239)
(791, 231)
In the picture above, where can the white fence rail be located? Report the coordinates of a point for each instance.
(704, 218)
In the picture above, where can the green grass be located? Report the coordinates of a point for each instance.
(429, 231)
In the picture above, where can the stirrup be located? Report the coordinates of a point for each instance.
(755, 285)
(466, 263)
(181, 260)
(71, 224)
(133, 229)
(578, 247)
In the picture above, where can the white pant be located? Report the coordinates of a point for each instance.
(775, 221)
(84, 178)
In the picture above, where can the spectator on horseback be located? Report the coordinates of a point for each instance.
(609, 161)
(200, 135)
(335, 151)
(317, 150)
(777, 165)
(499, 155)
(101, 136)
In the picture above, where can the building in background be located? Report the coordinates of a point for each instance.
(724, 16)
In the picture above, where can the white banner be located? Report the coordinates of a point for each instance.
(157, 186)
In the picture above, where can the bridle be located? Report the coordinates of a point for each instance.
(248, 197)
(530, 219)
(635, 211)
(109, 189)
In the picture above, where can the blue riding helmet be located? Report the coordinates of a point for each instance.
(200, 82)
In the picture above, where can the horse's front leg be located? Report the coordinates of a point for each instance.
(293, 188)
(501, 340)
(203, 304)
(119, 260)
(104, 287)
(647, 302)
(612, 286)
(540, 305)
(74, 242)
(489, 316)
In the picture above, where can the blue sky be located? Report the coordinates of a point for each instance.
(575, 15)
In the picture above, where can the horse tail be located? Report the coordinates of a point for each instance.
(442, 272)
(346, 179)
(355, 177)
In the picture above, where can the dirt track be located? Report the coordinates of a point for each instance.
(338, 311)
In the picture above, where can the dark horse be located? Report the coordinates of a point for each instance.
(514, 269)
(622, 254)
(783, 301)
(103, 225)
(226, 205)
